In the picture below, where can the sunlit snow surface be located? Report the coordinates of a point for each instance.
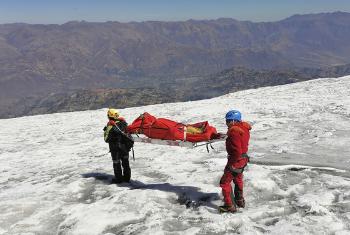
(53, 181)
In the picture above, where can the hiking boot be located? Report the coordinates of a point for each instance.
(126, 176)
(126, 179)
(239, 199)
(240, 202)
(117, 181)
(227, 209)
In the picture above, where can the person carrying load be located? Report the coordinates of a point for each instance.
(237, 142)
(120, 143)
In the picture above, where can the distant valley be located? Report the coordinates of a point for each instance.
(230, 80)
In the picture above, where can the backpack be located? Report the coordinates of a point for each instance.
(128, 141)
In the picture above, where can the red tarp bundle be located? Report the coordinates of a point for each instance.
(165, 129)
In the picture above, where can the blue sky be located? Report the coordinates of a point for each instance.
(61, 11)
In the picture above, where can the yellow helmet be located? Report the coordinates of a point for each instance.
(113, 113)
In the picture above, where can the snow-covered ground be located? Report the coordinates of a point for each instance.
(54, 181)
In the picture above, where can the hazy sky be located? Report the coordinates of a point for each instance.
(61, 11)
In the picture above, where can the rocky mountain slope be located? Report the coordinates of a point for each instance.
(82, 54)
(195, 88)
(39, 60)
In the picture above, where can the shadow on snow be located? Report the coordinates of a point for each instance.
(190, 196)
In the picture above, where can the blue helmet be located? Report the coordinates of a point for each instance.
(233, 115)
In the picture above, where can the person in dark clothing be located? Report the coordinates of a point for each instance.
(120, 144)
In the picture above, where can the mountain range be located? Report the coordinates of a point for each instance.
(42, 61)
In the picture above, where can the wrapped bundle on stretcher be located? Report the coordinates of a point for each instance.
(165, 129)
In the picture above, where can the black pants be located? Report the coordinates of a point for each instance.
(121, 167)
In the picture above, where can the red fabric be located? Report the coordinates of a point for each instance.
(162, 128)
(237, 142)
(121, 119)
(112, 122)
(225, 184)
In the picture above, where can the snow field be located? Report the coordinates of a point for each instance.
(53, 179)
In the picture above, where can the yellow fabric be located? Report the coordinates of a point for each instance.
(194, 130)
(106, 133)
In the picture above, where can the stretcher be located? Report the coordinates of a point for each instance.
(178, 143)
(149, 129)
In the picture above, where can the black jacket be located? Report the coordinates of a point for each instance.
(115, 135)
